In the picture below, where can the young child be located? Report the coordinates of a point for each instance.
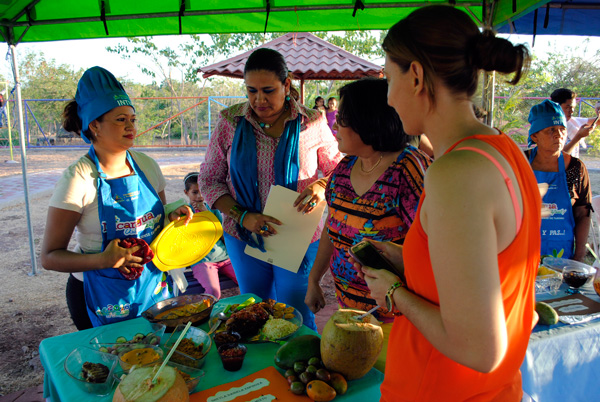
(207, 270)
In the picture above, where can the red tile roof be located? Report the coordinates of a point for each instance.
(308, 57)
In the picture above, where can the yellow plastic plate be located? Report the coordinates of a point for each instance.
(180, 246)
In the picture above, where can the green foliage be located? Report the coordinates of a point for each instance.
(560, 68)
(45, 79)
(593, 143)
(360, 43)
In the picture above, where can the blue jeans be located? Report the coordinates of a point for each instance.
(271, 282)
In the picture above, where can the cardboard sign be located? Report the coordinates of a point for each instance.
(575, 308)
(265, 385)
(575, 304)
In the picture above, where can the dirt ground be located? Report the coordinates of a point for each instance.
(34, 307)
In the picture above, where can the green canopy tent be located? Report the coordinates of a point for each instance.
(52, 20)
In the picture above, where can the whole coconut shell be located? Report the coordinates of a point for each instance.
(351, 347)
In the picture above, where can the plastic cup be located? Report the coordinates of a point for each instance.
(223, 338)
(232, 356)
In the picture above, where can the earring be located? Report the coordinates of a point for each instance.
(287, 97)
(246, 96)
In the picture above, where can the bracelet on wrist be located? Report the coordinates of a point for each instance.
(321, 182)
(236, 212)
(389, 297)
(242, 218)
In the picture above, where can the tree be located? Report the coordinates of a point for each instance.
(45, 79)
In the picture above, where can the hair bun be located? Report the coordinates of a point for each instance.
(487, 52)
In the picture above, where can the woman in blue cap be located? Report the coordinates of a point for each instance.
(564, 179)
(111, 193)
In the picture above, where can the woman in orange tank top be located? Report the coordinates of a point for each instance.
(471, 256)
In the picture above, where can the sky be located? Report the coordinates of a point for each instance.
(92, 52)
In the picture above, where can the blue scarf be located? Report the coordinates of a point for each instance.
(243, 169)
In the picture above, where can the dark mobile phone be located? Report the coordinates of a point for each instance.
(366, 254)
(595, 121)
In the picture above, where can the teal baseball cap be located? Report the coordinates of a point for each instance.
(545, 114)
(98, 92)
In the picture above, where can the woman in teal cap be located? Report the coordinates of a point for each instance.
(564, 183)
(109, 194)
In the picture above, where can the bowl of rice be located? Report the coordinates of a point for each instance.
(281, 328)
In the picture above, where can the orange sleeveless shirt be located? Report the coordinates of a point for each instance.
(415, 370)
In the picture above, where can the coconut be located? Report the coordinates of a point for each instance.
(137, 386)
(350, 346)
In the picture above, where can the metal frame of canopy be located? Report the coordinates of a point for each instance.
(41, 20)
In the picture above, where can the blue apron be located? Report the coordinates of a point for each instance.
(558, 229)
(128, 207)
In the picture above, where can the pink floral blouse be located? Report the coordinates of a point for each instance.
(318, 152)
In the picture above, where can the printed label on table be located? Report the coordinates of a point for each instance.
(266, 385)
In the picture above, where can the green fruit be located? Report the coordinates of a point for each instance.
(299, 367)
(312, 369)
(548, 315)
(292, 378)
(306, 377)
(103, 349)
(314, 361)
(300, 348)
(339, 383)
(121, 339)
(289, 372)
(297, 388)
(323, 375)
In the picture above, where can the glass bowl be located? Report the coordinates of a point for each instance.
(74, 363)
(121, 340)
(548, 283)
(559, 264)
(577, 276)
(194, 337)
(180, 310)
(140, 355)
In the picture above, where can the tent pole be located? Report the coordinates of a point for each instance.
(489, 86)
(23, 157)
(302, 90)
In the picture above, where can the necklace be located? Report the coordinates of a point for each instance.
(373, 168)
(267, 126)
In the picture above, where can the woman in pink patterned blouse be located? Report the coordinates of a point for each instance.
(269, 140)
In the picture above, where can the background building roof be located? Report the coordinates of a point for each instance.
(308, 58)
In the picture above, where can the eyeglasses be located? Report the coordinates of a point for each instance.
(339, 121)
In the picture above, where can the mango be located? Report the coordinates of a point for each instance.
(319, 391)
(547, 314)
(300, 348)
(338, 382)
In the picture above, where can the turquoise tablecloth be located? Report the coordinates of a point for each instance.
(563, 361)
(59, 387)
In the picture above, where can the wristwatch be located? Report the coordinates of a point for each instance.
(389, 300)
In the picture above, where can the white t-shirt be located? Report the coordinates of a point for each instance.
(77, 191)
(573, 126)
